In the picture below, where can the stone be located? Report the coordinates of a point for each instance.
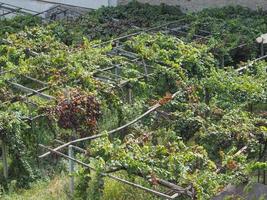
(244, 192)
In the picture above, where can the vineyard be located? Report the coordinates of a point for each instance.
(172, 105)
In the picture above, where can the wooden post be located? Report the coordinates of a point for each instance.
(71, 169)
(4, 158)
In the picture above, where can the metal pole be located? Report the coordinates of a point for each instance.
(4, 158)
(71, 169)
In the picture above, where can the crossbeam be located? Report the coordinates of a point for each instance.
(32, 91)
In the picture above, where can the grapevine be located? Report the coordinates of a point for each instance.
(207, 135)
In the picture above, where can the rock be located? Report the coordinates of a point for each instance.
(255, 191)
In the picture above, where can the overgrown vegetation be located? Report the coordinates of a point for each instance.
(207, 136)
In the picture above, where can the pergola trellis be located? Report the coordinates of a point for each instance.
(173, 189)
(112, 74)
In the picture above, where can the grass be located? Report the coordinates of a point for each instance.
(114, 190)
(56, 189)
(118, 191)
